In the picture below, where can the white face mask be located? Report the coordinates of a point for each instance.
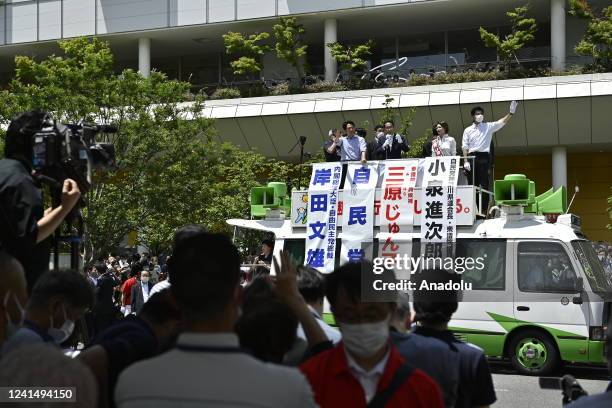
(144, 279)
(365, 339)
(479, 118)
(61, 335)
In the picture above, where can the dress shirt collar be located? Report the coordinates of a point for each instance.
(356, 369)
(223, 340)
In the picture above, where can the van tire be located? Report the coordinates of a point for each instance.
(533, 352)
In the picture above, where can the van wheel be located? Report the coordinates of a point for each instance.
(533, 353)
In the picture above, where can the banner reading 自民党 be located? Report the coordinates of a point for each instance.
(322, 216)
(438, 191)
(358, 211)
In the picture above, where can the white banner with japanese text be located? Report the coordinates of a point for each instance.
(438, 195)
(358, 211)
(322, 216)
(396, 210)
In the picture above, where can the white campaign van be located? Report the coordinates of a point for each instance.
(542, 297)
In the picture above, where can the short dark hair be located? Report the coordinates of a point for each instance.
(161, 308)
(268, 242)
(443, 124)
(137, 267)
(19, 140)
(346, 123)
(267, 329)
(186, 231)
(205, 271)
(361, 132)
(311, 284)
(378, 127)
(389, 121)
(100, 267)
(67, 284)
(476, 109)
(349, 276)
(437, 306)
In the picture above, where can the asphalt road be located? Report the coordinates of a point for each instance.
(518, 391)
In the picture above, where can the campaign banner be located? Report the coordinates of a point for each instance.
(438, 195)
(358, 205)
(397, 202)
(322, 216)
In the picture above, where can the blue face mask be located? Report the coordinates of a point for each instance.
(11, 327)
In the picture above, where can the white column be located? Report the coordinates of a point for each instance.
(330, 36)
(559, 166)
(557, 34)
(144, 57)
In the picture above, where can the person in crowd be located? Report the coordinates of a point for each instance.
(104, 311)
(24, 227)
(205, 272)
(267, 327)
(352, 147)
(126, 288)
(379, 138)
(58, 299)
(141, 291)
(361, 132)
(181, 234)
(137, 337)
(356, 372)
(603, 400)
(401, 317)
(393, 144)
(13, 296)
(46, 366)
(429, 354)
(311, 285)
(264, 258)
(433, 311)
(441, 144)
(476, 142)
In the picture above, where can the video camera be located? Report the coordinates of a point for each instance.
(569, 386)
(62, 151)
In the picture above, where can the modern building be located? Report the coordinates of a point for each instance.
(561, 134)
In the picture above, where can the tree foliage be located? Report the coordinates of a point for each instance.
(523, 31)
(250, 48)
(597, 40)
(289, 36)
(351, 57)
(170, 169)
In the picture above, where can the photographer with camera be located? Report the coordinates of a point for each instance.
(24, 227)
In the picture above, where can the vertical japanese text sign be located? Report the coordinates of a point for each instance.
(438, 192)
(322, 216)
(358, 211)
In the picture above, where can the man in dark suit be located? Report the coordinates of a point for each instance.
(104, 311)
(140, 291)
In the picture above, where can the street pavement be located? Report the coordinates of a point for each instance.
(519, 391)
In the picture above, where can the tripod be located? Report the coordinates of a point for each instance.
(301, 141)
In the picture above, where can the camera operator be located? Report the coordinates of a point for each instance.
(24, 227)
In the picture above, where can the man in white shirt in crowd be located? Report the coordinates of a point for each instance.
(207, 366)
(476, 142)
(311, 285)
(352, 147)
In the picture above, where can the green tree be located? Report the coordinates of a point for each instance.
(169, 172)
(597, 40)
(351, 57)
(290, 45)
(250, 48)
(523, 31)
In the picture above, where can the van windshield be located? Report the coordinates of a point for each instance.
(599, 279)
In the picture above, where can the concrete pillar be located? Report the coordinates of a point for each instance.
(559, 166)
(144, 57)
(330, 36)
(557, 34)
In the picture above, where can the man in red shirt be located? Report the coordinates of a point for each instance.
(365, 369)
(126, 288)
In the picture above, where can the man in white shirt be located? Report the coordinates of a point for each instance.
(476, 142)
(207, 367)
(311, 285)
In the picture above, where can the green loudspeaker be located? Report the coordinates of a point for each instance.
(552, 202)
(514, 189)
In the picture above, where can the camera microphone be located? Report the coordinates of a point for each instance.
(302, 140)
